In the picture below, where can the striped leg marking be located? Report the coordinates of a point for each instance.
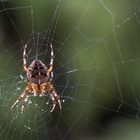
(51, 76)
(54, 102)
(24, 58)
(24, 102)
(19, 99)
(55, 98)
(52, 59)
(25, 94)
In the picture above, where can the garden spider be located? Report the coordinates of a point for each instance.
(39, 81)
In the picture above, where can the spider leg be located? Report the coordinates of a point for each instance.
(52, 58)
(25, 94)
(54, 97)
(24, 102)
(54, 102)
(57, 98)
(51, 76)
(43, 88)
(19, 98)
(24, 59)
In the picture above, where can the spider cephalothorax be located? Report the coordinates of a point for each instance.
(39, 81)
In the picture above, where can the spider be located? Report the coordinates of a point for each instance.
(39, 81)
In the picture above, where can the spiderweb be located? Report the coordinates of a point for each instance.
(96, 69)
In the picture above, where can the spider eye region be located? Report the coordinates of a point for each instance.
(37, 72)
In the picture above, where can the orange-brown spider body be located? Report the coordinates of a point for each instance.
(39, 81)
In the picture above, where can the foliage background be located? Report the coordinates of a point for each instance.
(102, 39)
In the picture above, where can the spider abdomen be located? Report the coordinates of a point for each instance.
(37, 72)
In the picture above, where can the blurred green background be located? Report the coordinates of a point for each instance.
(96, 72)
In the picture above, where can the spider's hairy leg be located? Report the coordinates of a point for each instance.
(24, 59)
(54, 97)
(24, 102)
(43, 88)
(54, 102)
(51, 76)
(52, 59)
(19, 99)
(57, 98)
(35, 89)
(25, 94)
